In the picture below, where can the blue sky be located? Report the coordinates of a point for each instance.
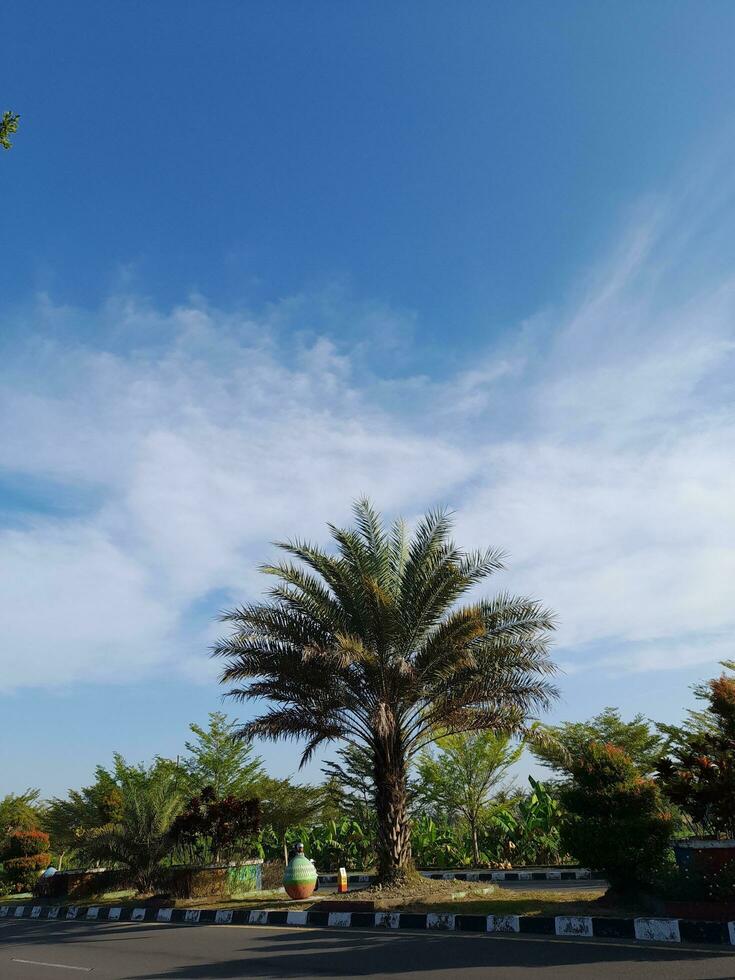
(261, 258)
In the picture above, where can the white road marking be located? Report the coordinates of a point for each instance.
(56, 966)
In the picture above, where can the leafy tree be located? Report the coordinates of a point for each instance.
(19, 811)
(537, 827)
(564, 743)
(8, 126)
(216, 828)
(700, 721)
(349, 783)
(284, 804)
(141, 837)
(699, 775)
(124, 773)
(335, 843)
(25, 855)
(218, 759)
(524, 829)
(461, 776)
(436, 844)
(616, 820)
(73, 821)
(369, 647)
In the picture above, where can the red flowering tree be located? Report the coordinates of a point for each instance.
(214, 829)
(25, 856)
(699, 775)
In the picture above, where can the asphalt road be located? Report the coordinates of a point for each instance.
(124, 951)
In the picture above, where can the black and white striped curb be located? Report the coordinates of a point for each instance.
(571, 874)
(571, 926)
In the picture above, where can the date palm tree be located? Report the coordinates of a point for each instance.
(141, 838)
(368, 645)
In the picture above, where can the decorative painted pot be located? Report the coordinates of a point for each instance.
(299, 879)
(706, 856)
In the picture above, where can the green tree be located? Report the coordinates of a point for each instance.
(564, 743)
(19, 811)
(124, 773)
(369, 647)
(349, 783)
(8, 126)
(285, 804)
(215, 828)
(537, 824)
(217, 758)
(698, 721)
(73, 820)
(25, 854)
(699, 774)
(140, 838)
(616, 820)
(461, 776)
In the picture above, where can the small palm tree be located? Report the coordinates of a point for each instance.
(368, 646)
(141, 839)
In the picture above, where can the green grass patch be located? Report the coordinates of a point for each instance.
(571, 902)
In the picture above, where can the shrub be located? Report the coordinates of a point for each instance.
(438, 845)
(25, 856)
(272, 873)
(335, 844)
(536, 835)
(686, 885)
(24, 843)
(19, 812)
(616, 821)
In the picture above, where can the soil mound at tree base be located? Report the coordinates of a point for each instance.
(405, 887)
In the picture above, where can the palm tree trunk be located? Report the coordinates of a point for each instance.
(391, 804)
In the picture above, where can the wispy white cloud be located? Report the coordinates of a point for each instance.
(596, 446)
(199, 454)
(618, 500)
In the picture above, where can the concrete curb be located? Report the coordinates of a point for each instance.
(577, 927)
(572, 874)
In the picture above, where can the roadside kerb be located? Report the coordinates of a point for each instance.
(642, 929)
(570, 874)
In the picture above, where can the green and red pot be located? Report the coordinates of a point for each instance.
(300, 876)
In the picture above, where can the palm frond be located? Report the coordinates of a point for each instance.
(370, 644)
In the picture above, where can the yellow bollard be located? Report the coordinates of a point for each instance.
(341, 881)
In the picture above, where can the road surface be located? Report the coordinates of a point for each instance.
(125, 951)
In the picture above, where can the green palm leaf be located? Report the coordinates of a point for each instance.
(368, 645)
